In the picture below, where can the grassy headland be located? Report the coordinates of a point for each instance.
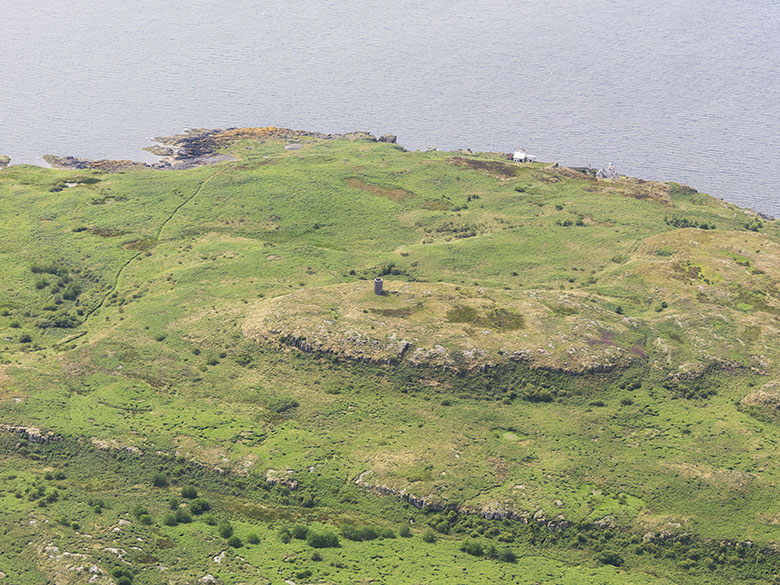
(569, 380)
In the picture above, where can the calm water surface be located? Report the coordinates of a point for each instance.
(688, 91)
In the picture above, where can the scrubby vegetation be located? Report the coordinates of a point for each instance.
(197, 379)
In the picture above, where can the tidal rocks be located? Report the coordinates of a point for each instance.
(4, 160)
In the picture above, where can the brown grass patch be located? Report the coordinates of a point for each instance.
(500, 170)
(727, 478)
(393, 194)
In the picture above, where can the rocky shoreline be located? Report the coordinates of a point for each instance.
(205, 146)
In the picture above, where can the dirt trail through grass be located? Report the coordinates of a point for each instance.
(119, 272)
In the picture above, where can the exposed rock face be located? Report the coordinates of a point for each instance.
(493, 512)
(4, 160)
(767, 397)
(285, 478)
(31, 434)
(112, 166)
(391, 138)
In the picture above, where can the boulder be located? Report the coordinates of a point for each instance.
(4, 160)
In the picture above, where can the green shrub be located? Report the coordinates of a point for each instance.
(505, 555)
(358, 533)
(473, 547)
(253, 538)
(199, 506)
(225, 530)
(71, 291)
(281, 404)
(322, 539)
(75, 525)
(160, 480)
(428, 535)
(139, 511)
(25, 338)
(189, 492)
(284, 535)
(387, 533)
(145, 519)
(404, 531)
(299, 531)
(182, 516)
(174, 502)
(316, 557)
(610, 558)
(210, 520)
(170, 520)
(235, 542)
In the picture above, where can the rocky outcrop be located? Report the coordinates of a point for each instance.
(4, 160)
(493, 512)
(285, 478)
(111, 166)
(31, 434)
(201, 146)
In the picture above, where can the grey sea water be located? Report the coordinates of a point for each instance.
(686, 91)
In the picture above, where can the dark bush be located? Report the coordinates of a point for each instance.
(610, 558)
(174, 502)
(404, 531)
(170, 520)
(358, 533)
(281, 404)
(25, 338)
(322, 539)
(387, 533)
(299, 531)
(235, 542)
(160, 480)
(189, 492)
(182, 516)
(72, 291)
(199, 506)
(472, 547)
(253, 538)
(225, 530)
(428, 535)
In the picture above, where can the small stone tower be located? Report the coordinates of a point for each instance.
(378, 286)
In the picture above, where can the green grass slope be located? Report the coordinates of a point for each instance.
(570, 380)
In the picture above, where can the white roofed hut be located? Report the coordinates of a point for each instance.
(522, 156)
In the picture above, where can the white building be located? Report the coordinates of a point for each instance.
(523, 156)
